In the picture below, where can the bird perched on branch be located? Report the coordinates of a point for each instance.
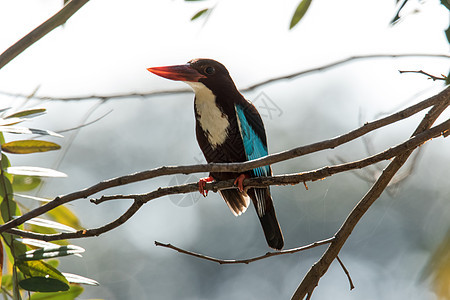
(229, 129)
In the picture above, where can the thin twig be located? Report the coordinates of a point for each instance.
(80, 233)
(244, 90)
(346, 273)
(83, 124)
(248, 260)
(56, 20)
(433, 77)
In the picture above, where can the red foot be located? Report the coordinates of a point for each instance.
(239, 180)
(201, 185)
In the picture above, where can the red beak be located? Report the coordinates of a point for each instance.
(180, 72)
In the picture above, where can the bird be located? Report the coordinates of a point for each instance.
(228, 129)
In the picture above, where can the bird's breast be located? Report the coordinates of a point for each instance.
(213, 121)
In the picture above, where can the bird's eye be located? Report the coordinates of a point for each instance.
(210, 70)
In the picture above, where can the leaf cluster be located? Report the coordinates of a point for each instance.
(31, 265)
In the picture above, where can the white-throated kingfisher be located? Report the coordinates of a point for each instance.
(229, 129)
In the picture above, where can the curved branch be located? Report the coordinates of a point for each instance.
(312, 277)
(430, 76)
(340, 62)
(80, 233)
(442, 97)
(140, 199)
(248, 260)
(56, 20)
(246, 89)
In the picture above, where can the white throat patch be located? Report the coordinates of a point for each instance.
(212, 120)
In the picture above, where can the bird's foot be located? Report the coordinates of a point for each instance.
(201, 185)
(239, 181)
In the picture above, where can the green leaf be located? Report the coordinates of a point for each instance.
(73, 278)
(34, 171)
(301, 10)
(1, 260)
(72, 293)
(8, 206)
(25, 130)
(50, 224)
(64, 215)
(36, 243)
(446, 3)
(46, 230)
(27, 113)
(22, 183)
(54, 263)
(51, 252)
(43, 284)
(199, 14)
(12, 121)
(38, 268)
(29, 146)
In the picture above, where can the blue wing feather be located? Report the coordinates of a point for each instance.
(253, 144)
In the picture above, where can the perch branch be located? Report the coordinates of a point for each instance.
(140, 199)
(442, 97)
(312, 277)
(56, 20)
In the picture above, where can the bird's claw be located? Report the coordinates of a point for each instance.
(202, 183)
(239, 181)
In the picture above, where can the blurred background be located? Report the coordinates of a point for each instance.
(105, 48)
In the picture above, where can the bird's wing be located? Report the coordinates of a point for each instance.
(253, 135)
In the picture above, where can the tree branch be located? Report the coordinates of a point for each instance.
(433, 77)
(56, 20)
(442, 97)
(248, 260)
(347, 273)
(140, 199)
(244, 90)
(312, 277)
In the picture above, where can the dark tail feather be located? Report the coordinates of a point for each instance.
(237, 201)
(272, 229)
(269, 222)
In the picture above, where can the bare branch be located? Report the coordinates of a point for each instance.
(140, 199)
(442, 97)
(248, 260)
(425, 73)
(56, 20)
(311, 279)
(340, 62)
(346, 273)
(247, 89)
(80, 233)
(84, 124)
